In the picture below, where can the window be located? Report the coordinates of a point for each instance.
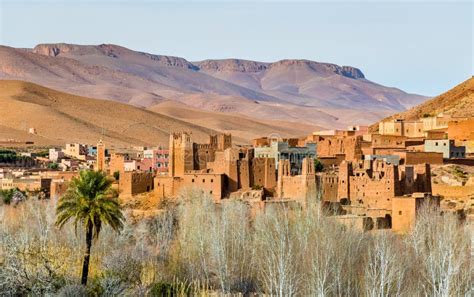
(192, 180)
(210, 192)
(212, 180)
(203, 180)
(400, 213)
(436, 143)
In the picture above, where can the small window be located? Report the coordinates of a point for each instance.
(203, 180)
(212, 180)
(210, 192)
(400, 213)
(192, 180)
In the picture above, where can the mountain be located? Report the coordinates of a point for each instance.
(458, 102)
(300, 91)
(60, 117)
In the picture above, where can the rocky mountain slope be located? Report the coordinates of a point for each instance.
(301, 91)
(458, 102)
(60, 117)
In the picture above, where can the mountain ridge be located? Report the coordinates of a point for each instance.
(296, 90)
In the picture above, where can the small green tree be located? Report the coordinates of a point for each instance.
(53, 165)
(318, 166)
(90, 201)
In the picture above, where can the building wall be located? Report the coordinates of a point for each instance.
(413, 158)
(170, 187)
(212, 184)
(404, 211)
(133, 183)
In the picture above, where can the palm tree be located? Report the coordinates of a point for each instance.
(90, 201)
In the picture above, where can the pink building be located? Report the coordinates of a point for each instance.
(159, 159)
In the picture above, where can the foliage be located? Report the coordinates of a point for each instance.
(53, 165)
(318, 166)
(7, 195)
(43, 154)
(12, 195)
(117, 175)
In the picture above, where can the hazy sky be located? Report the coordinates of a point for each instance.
(420, 47)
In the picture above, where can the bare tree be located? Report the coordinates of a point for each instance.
(196, 217)
(277, 252)
(230, 247)
(441, 245)
(384, 270)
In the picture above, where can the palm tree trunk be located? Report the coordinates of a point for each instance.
(87, 255)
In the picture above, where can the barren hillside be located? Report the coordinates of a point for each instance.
(60, 117)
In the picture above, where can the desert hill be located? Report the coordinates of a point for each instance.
(60, 117)
(458, 102)
(301, 91)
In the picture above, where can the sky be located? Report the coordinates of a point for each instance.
(423, 47)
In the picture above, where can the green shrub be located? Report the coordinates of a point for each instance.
(318, 166)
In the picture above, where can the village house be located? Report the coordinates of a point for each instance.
(76, 150)
(445, 146)
(399, 127)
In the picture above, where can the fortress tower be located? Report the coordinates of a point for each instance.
(180, 154)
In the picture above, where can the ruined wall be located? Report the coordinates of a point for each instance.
(264, 172)
(330, 146)
(301, 188)
(453, 192)
(167, 186)
(328, 183)
(203, 154)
